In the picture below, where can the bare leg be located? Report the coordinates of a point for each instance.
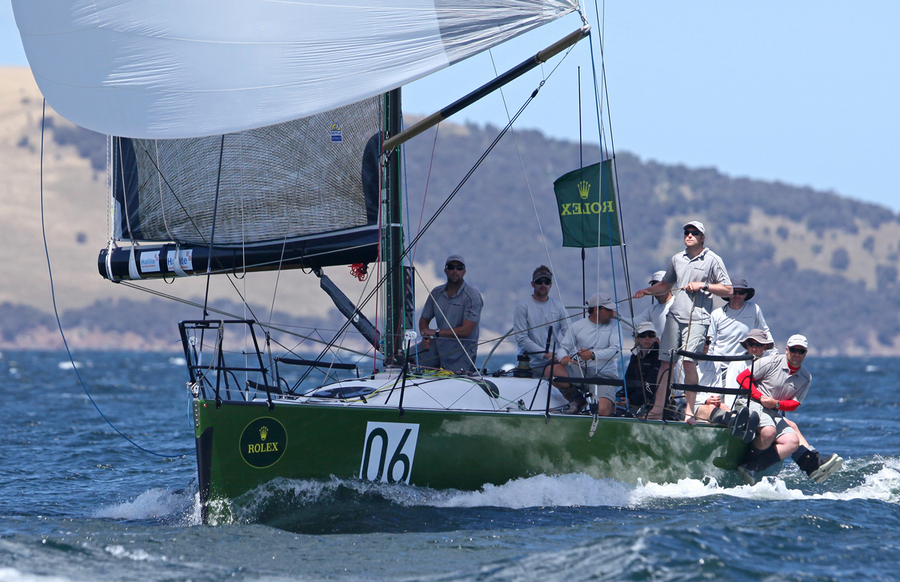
(567, 390)
(556, 370)
(793, 425)
(690, 377)
(764, 438)
(704, 410)
(787, 444)
(605, 407)
(662, 381)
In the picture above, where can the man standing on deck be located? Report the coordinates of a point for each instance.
(535, 316)
(779, 384)
(697, 271)
(456, 309)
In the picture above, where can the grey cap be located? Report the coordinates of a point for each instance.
(457, 258)
(657, 276)
(541, 271)
(698, 225)
(743, 284)
(601, 300)
(644, 327)
(759, 336)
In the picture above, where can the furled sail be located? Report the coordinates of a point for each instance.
(163, 69)
(298, 194)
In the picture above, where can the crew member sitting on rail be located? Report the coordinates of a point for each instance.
(535, 316)
(779, 383)
(590, 349)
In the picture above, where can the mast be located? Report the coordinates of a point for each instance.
(392, 238)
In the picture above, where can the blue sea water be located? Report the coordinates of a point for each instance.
(78, 502)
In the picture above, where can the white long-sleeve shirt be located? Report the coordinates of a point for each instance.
(530, 323)
(602, 339)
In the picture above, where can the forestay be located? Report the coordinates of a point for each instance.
(161, 69)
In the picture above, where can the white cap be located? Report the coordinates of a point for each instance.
(644, 327)
(456, 258)
(698, 225)
(601, 300)
(657, 276)
(798, 340)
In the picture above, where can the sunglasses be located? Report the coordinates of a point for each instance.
(647, 334)
(741, 291)
(542, 281)
(753, 344)
(797, 350)
(693, 233)
(457, 267)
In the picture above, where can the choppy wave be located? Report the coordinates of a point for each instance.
(338, 505)
(873, 478)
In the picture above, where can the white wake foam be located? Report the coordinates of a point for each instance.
(153, 504)
(13, 575)
(881, 481)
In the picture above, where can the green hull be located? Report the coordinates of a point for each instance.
(241, 446)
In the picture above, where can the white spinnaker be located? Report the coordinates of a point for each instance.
(168, 69)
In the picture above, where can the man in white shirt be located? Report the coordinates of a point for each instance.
(730, 324)
(591, 349)
(535, 316)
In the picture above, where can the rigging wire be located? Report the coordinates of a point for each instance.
(281, 329)
(600, 98)
(212, 235)
(56, 308)
(443, 206)
(558, 288)
(427, 183)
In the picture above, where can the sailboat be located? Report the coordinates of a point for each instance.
(266, 137)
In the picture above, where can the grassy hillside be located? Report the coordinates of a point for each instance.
(822, 264)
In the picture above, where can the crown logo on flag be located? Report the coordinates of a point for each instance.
(584, 188)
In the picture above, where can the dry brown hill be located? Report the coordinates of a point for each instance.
(74, 205)
(822, 264)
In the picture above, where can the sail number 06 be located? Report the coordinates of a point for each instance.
(390, 449)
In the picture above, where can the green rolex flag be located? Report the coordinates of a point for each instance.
(587, 207)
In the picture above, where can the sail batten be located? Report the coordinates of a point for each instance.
(160, 69)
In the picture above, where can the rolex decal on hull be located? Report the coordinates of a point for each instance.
(263, 442)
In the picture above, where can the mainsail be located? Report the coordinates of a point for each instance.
(162, 69)
(298, 194)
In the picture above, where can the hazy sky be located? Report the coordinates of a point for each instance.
(801, 92)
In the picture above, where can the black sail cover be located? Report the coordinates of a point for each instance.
(297, 194)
